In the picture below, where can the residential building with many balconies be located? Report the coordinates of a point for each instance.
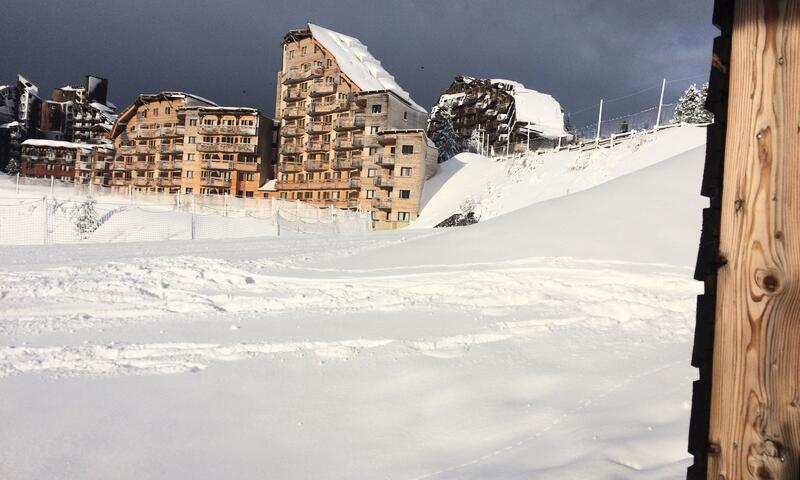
(181, 143)
(64, 161)
(345, 125)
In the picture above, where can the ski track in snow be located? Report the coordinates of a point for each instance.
(558, 293)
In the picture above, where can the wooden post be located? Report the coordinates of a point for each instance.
(754, 422)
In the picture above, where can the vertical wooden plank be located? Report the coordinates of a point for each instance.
(754, 429)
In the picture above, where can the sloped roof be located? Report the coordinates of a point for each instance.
(358, 64)
(541, 112)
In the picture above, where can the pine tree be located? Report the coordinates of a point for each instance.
(691, 106)
(624, 127)
(12, 167)
(86, 218)
(474, 143)
(445, 136)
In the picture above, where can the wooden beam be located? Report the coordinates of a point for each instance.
(754, 428)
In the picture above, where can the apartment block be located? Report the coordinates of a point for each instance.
(181, 143)
(64, 161)
(345, 124)
(503, 115)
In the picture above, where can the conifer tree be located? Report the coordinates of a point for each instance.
(445, 136)
(691, 106)
(12, 167)
(86, 218)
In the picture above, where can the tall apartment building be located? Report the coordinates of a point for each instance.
(350, 136)
(178, 142)
(505, 115)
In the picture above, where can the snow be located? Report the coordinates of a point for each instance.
(10, 124)
(499, 186)
(269, 186)
(550, 341)
(358, 64)
(57, 144)
(540, 111)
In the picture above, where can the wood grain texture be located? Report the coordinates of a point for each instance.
(754, 430)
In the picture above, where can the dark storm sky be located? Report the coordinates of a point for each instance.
(229, 50)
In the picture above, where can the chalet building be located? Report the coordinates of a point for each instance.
(64, 161)
(350, 136)
(503, 115)
(181, 143)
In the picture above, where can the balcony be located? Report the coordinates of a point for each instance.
(245, 166)
(382, 203)
(386, 160)
(354, 182)
(143, 165)
(316, 165)
(292, 131)
(319, 108)
(347, 163)
(147, 132)
(348, 143)
(145, 149)
(168, 182)
(119, 182)
(384, 182)
(293, 95)
(290, 167)
(387, 138)
(170, 164)
(83, 165)
(216, 182)
(353, 203)
(320, 89)
(226, 147)
(126, 149)
(143, 182)
(291, 113)
(173, 148)
(217, 164)
(173, 131)
(245, 130)
(297, 75)
(318, 146)
(318, 127)
(292, 149)
(371, 140)
(349, 123)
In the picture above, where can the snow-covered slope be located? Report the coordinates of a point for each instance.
(494, 187)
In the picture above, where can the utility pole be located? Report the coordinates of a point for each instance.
(599, 122)
(661, 103)
(746, 404)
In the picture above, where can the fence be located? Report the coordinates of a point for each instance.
(28, 216)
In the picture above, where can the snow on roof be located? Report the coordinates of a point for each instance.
(269, 186)
(102, 108)
(358, 64)
(58, 144)
(541, 112)
(10, 124)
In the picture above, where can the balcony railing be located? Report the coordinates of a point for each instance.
(354, 182)
(293, 112)
(170, 164)
(300, 75)
(384, 182)
(143, 165)
(353, 203)
(173, 148)
(292, 131)
(348, 143)
(217, 164)
(147, 132)
(145, 149)
(119, 181)
(293, 95)
(226, 147)
(319, 108)
(126, 149)
(382, 203)
(85, 165)
(143, 182)
(387, 138)
(316, 165)
(227, 130)
(168, 182)
(215, 182)
(291, 149)
(349, 123)
(290, 167)
(319, 89)
(347, 163)
(318, 146)
(319, 127)
(171, 131)
(385, 160)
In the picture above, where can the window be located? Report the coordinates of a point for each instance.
(408, 149)
(284, 177)
(371, 172)
(168, 110)
(403, 216)
(404, 194)
(283, 195)
(251, 176)
(246, 140)
(229, 122)
(329, 63)
(189, 174)
(308, 195)
(374, 129)
(335, 195)
(227, 157)
(405, 171)
(155, 111)
(405, 115)
(190, 157)
(209, 121)
(370, 193)
(192, 122)
(248, 194)
(303, 51)
(192, 140)
(376, 108)
(373, 150)
(207, 140)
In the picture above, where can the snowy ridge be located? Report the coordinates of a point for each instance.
(62, 144)
(358, 64)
